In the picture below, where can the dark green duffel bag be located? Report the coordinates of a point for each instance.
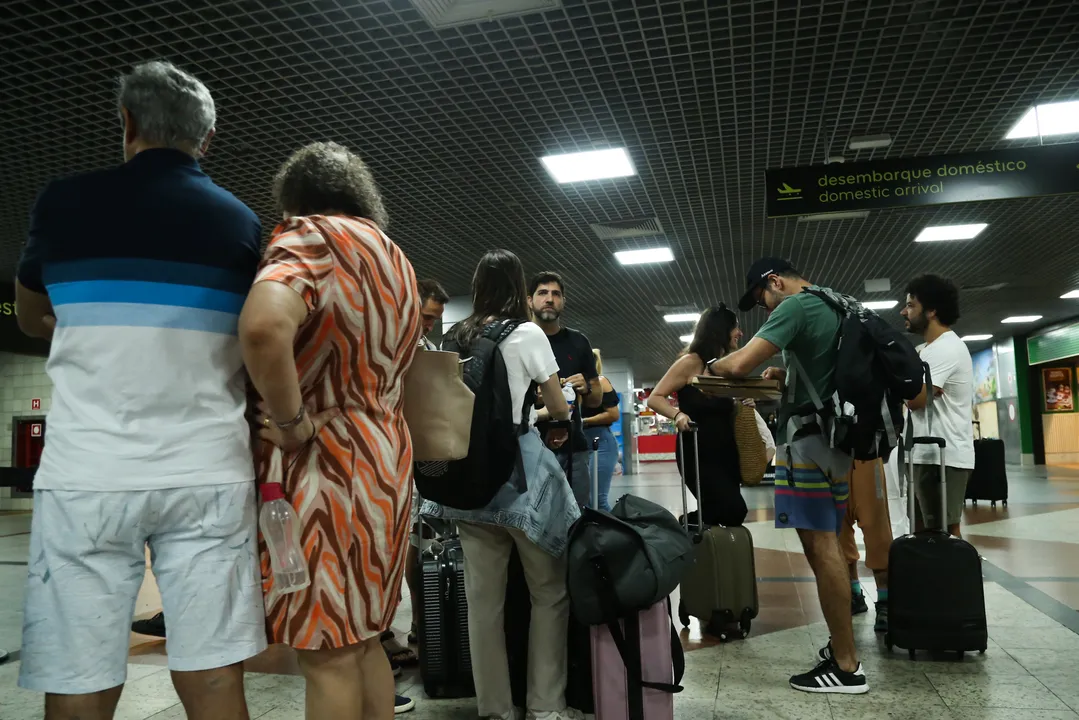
(638, 550)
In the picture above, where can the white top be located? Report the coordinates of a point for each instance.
(528, 357)
(952, 371)
(149, 406)
(766, 434)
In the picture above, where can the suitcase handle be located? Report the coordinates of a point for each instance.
(697, 474)
(911, 500)
(595, 474)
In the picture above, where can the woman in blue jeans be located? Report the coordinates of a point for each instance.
(597, 424)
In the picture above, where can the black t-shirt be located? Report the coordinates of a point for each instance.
(574, 355)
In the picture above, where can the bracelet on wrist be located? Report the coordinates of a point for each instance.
(299, 418)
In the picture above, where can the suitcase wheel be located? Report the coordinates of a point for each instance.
(960, 656)
(888, 641)
(913, 655)
(1005, 503)
(993, 504)
(683, 614)
(745, 624)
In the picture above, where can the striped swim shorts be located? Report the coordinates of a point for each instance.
(811, 483)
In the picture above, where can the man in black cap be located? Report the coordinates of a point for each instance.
(811, 477)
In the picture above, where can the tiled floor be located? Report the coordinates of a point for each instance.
(1029, 672)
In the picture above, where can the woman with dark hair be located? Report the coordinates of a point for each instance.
(533, 512)
(328, 332)
(721, 502)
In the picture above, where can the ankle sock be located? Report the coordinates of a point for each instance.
(882, 596)
(855, 587)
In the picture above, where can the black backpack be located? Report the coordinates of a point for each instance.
(876, 370)
(493, 452)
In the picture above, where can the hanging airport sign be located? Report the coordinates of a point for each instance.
(916, 182)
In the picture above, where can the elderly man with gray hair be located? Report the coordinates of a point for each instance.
(137, 274)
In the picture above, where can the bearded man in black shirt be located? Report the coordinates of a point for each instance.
(576, 369)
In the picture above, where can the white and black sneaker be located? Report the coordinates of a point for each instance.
(827, 677)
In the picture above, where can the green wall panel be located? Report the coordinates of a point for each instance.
(1054, 344)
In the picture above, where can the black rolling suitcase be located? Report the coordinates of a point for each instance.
(445, 658)
(518, 613)
(989, 479)
(936, 601)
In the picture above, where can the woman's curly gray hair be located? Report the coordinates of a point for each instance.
(325, 178)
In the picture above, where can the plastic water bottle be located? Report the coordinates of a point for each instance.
(281, 529)
(570, 394)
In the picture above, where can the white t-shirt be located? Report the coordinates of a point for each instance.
(953, 372)
(765, 433)
(528, 357)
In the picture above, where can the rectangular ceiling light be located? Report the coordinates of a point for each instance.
(640, 257)
(850, 215)
(682, 317)
(1073, 295)
(686, 338)
(870, 142)
(590, 165)
(1045, 120)
(880, 304)
(1021, 319)
(976, 338)
(936, 233)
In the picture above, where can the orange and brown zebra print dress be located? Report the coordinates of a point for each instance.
(352, 487)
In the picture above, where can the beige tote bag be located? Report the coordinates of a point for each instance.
(752, 454)
(438, 407)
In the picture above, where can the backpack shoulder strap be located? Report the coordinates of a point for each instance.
(797, 372)
(842, 304)
(499, 330)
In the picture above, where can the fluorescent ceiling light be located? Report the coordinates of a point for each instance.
(686, 338)
(935, 233)
(591, 165)
(639, 257)
(1045, 120)
(870, 142)
(1073, 295)
(880, 304)
(976, 338)
(682, 317)
(851, 215)
(1021, 319)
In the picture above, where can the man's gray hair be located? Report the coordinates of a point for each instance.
(171, 108)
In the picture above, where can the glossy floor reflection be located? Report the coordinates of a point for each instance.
(1032, 597)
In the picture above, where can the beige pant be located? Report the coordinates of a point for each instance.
(487, 551)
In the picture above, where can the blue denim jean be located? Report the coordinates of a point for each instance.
(607, 459)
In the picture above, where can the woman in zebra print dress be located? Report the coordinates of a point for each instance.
(328, 332)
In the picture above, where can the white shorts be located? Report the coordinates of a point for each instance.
(87, 563)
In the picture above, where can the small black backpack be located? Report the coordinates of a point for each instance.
(876, 370)
(493, 453)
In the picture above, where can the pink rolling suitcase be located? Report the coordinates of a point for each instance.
(657, 663)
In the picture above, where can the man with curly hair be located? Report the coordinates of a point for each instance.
(931, 310)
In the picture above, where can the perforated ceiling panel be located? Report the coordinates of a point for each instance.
(704, 96)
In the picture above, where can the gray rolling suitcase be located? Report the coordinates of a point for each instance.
(720, 588)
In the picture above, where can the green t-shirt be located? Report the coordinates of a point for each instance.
(807, 326)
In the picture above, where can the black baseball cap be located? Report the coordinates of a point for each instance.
(755, 278)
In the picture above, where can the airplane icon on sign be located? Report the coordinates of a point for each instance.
(791, 193)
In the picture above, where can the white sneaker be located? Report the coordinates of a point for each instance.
(567, 714)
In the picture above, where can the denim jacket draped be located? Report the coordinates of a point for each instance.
(544, 511)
